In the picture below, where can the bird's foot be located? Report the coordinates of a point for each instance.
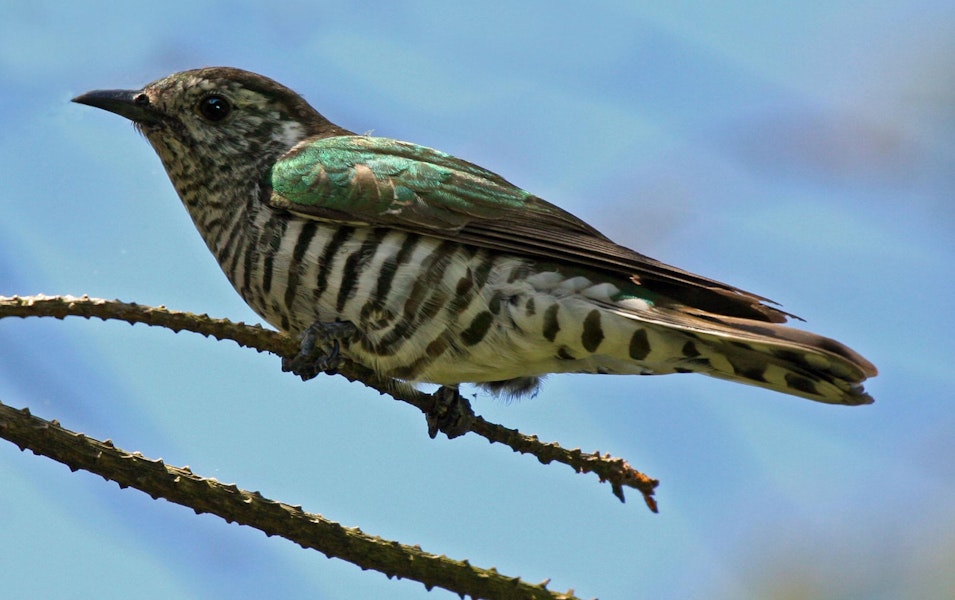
(319, 351)
(450, 414)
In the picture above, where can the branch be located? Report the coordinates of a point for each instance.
(204, 495)
(614, 470)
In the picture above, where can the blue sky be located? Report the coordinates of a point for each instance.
(800, 150)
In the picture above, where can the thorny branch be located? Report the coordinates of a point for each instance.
(182, 486)
(616, 471)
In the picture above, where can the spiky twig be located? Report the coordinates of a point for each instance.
(204, 495)
(614, 470)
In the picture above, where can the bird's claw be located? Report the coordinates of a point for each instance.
(451, 413)
(320, 349)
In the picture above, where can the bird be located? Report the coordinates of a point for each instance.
(427, 268)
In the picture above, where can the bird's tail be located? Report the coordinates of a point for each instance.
(773, 356)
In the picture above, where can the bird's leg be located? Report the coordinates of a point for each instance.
(319, 349)
(451, 413)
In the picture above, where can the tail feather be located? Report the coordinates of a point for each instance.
(807, 373)
(772, 356)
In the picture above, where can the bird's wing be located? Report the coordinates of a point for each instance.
(382, 182)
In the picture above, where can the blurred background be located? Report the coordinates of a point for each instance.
(804, 151)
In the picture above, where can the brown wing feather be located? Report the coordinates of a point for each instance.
(595, 251)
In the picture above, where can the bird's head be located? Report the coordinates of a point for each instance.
(215, 118)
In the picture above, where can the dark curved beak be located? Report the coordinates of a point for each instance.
(132, 104)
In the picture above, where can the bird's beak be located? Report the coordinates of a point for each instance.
(132, 104)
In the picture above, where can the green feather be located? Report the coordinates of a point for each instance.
(381, 181)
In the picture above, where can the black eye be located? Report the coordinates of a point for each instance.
(214, 108)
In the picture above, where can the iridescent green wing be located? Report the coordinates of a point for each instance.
(385, 182)
(382, 182)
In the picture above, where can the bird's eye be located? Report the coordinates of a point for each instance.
(214, 108)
